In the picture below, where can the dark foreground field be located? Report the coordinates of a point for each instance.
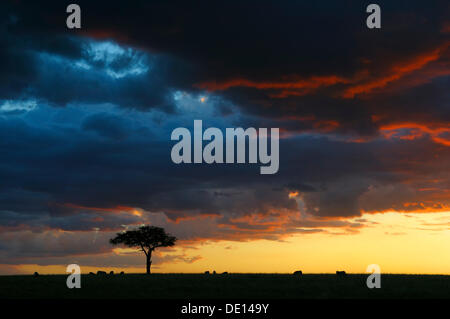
(182, 286)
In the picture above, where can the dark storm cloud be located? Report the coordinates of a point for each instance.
(61, 68)
(62, 172)
(261, 43)
(106, 125)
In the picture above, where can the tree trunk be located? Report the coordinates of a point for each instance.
(149, 262)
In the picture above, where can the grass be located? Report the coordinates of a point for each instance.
(236, 286)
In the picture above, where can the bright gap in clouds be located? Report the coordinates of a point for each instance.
(117, 61)
(106, 57)
(17, 106)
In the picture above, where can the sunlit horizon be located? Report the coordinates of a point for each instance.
(400, 243)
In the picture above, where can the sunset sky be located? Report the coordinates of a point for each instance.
(364, 115)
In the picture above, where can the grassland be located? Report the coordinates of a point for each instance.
(237, 286)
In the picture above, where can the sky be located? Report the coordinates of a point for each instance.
(86, 117)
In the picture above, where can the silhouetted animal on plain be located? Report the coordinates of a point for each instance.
(298, 272)
(111, 272)
(36, 274)
(207, 272)
(101, 272)
(225, 273)
(341, 273)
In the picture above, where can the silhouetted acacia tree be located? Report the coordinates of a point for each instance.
(146, 239)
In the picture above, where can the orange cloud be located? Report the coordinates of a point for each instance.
(105, 34)
(446, 27)
(416, 130)
(396, 72)
(293, 194)
(116, 209)
(316, 125)
(361, 83)
(286, 93)
(414, 208)
(326, 125)
(290, 87)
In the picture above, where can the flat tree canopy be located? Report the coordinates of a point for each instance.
(146, 239)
